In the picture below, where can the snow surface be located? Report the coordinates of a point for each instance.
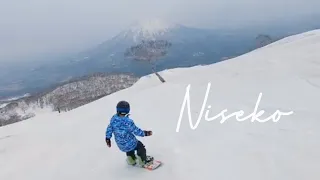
(71, 145)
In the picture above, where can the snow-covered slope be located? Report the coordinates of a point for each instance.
(71, 145)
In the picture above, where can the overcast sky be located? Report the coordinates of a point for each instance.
(29, 27)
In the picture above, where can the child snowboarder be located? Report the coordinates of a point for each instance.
(124, 131)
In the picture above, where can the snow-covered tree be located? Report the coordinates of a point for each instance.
(65, 97)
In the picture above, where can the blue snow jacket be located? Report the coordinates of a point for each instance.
(124, 131)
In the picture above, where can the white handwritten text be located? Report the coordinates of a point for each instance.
(254, 115)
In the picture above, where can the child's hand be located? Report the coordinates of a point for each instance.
(147, 133)
(108, 142)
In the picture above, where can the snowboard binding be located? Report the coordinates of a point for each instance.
(138, 161)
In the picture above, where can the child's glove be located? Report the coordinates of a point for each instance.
(147, 133)
(108, 142)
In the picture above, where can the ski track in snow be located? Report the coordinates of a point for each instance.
(71, 145)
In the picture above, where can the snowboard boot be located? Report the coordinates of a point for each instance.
(131, 161)
(146, 162)
(149, 159)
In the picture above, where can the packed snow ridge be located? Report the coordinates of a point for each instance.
(287, 74)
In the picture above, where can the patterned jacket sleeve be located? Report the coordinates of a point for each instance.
(109, 131)
(135, 130)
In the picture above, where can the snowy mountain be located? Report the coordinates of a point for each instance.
(186, 41)
(223, 145)
(148, 30)
(190, 46)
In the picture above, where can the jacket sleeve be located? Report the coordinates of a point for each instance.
(135, 130)
(109, 131)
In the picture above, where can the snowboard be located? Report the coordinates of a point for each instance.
(150, 166)
(153, 165)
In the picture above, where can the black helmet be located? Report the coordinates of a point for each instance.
(123, 107)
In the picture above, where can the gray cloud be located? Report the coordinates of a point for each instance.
(42, 26)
